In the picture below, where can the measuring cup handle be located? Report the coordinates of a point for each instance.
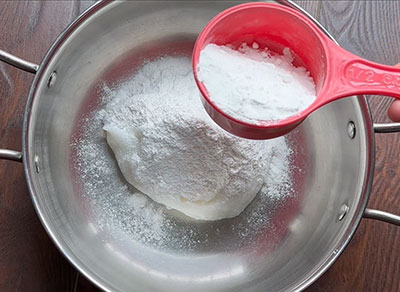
(352, 75)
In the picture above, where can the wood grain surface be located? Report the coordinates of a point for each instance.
(28, 259)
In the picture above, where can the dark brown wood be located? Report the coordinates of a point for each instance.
(28, 259)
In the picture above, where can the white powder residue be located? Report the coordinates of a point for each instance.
(252, 85)
(174, 153)
(162, 100)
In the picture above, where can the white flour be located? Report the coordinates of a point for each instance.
(119, 211)
(167, 146)
(252, 85)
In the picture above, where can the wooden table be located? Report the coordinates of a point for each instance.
(28, 259)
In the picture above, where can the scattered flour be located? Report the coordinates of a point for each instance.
(169, 148)
(252, 85)
(119, 208)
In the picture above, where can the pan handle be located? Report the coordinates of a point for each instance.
(387, 128)
(11, 155)
(28, 67)
(382, 216)
(377, 214)
(18, 62)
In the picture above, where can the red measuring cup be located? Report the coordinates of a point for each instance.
(336, 72)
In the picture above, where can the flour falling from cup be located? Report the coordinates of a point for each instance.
(252, 84)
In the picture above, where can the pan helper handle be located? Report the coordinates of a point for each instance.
(18, 62)
(28, 67)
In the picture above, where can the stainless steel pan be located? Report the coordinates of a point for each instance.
(336, 146)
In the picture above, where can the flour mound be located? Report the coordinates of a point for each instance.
(168, 147)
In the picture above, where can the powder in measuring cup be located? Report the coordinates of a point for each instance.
(251, 84)
(169, 148)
